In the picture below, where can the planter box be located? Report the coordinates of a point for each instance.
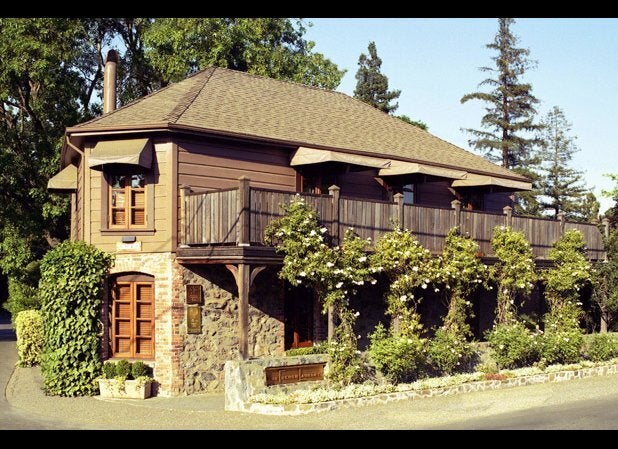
(129, 389)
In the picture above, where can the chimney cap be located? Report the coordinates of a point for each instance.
(112, 56)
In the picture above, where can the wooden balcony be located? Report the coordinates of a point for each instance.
(227, 226)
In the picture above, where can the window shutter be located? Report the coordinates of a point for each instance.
(133, 319)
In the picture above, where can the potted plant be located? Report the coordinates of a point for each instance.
(126, 380)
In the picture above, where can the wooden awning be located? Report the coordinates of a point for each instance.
(406, 168)
(305, 156)
(129, 152)
(474, 180)
(65, 180)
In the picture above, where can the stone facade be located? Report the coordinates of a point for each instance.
(204, 355)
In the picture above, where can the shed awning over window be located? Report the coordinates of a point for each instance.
(406, 168)
(130, 152)
(305, 155)
(473, 180)
(66, 179)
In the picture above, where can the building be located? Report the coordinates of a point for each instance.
(180, 185)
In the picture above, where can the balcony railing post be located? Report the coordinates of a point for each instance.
(561, 218)
(605, 222)
(335, 192)
(508, 216)
(399, 200)
(456, 205)
(184, 224)
(244, 211)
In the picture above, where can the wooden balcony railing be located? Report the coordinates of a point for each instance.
(239, 216)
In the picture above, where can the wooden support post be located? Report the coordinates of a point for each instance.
(335, 192)
(244, 276)
(331, 323)
(184, 224)
(605, 227)
(244, 212)
(561, 218)
(456, 205)
(400, 217)
(508, 216)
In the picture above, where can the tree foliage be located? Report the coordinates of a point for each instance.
(561, 186)
(510, 108)
(418, 123)
(605, 283)
(372, 84)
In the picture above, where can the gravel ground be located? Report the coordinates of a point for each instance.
(206, 411)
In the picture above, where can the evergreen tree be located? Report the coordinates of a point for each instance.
(588, 209)
(510, 111)
(372, 85)
(418, 123)
(562, 187)
(612, 213)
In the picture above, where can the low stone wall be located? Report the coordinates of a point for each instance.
(244, 378)
(301, 409)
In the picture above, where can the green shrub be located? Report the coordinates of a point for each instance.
(71, 290)
(562, 346)
(109, 370)
(397, 358)
(601, 347)
(513, 345)
(29, 330)
(318, 348)
(123, 369)
(449, 352)
(23, 293)
(139, 369)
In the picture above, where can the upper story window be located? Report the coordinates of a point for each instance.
(127, 201)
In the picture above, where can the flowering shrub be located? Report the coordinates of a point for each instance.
(513, 345)
(459, 272)
(410, 269)
(449, 352)
(570, 272)
(562, 346)
(513, 272)
(333, 272)
(399, 358)
(601, 347)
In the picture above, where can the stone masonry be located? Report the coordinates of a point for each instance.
(204, 355)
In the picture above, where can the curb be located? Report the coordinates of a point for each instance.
(383, 398)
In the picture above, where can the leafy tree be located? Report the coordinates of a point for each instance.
(588, 208)
(605, 283)
(561, 186)
(418, 123)
(273, 47)
(372, 85)
(510, 103)
(612, 213)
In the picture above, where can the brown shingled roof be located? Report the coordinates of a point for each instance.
(238, 103)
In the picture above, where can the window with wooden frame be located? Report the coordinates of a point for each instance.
(132, 317)
(127, 201)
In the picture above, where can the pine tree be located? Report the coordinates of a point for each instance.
(588, 209)
(372, 85)
(561, 187)
(510, 111)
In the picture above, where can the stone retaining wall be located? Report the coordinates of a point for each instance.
(301, 409)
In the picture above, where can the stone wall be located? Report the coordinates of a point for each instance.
(204, 355)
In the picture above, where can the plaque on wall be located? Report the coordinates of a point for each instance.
(194, 293)
(194, 320)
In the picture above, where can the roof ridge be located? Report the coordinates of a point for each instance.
(194, 92)
(140, 99)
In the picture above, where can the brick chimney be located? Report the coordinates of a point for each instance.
(109, 82)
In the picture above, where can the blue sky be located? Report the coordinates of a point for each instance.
(435, 62)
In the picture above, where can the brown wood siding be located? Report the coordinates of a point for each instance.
(207, 166)
(436, 194)
(361, 184)
(158, 179)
